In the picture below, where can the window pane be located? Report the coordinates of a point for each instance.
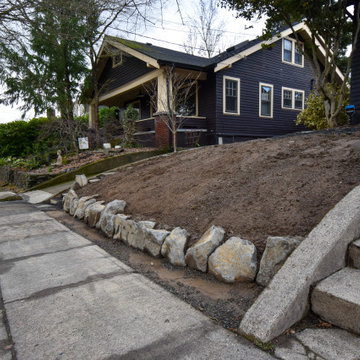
(298, 100)
(287, 99)
(231, 96)
(298, 55)
(186, 105)
(287, 50)
(265, 100)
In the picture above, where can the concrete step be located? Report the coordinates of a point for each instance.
(336, 299)
(354, 254)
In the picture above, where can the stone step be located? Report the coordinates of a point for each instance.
(336, 299)
(354, 254)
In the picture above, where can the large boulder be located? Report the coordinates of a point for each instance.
(119, 222)
(198, 254)
(154, 240)
(84, 202)
(136, 233)
(93, 213)
(174, 247)
(112, 208)
(107, 224)
(81, 180)
(128, 227)
(9, 196)
(276, 252)
(73, 206)
(68, 199)
(233, 261)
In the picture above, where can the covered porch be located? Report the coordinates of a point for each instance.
(156, 96)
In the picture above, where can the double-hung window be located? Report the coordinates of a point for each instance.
(292, 52)
(293, 99)
(231, 95)
(266, 100)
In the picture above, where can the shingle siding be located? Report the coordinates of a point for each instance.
(264, 66)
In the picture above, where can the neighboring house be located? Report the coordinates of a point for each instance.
(243, 93)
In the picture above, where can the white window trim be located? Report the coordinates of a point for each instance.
(224, 95)
(292, 99)
(272, 100)
(294, 43)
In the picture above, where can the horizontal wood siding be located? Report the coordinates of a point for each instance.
(145, 125)
(207, 105)
(129, 70)
(192, 123)
(263, 66)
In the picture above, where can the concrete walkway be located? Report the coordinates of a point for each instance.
(66, 298)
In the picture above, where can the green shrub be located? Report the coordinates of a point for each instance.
(128, 123)
(109, 121)
(314, 117)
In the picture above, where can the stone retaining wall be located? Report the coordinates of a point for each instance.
(231, 260)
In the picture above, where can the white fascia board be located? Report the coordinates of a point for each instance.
(322, 50)
(301, 26)
(147, 59)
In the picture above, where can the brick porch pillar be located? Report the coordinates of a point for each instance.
(162, 132)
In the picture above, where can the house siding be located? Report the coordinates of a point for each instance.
(263, 66)
(130, 69)
(207, 105)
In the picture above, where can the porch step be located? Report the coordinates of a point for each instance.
(354, 254)
(336, 299)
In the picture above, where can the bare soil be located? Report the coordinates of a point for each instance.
(279, 186)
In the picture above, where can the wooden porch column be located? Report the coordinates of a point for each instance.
(162, 132)
(92, 116)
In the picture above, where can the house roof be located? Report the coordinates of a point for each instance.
(157, 56)
(163, 55)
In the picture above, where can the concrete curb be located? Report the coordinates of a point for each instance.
(323, 252)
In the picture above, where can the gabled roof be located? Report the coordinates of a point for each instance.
(156, 56)
(162, 55)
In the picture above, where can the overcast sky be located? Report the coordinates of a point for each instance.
(168, 31)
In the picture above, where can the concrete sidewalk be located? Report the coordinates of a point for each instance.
(66, 298)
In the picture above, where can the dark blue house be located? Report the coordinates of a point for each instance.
(249, 91)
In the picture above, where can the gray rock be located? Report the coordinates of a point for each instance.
(84, 202)
(154, 240)
(73, 206)
(81, 180)
(9, 196)
(136, 233)
(198, 254)
(107, 225)
(112, 208)
(276, 252)
(129, 227)
(148, 224)
(93, 212)
(285, 300)
(233, 261)
(174, 247)
(68, 199)
(337, 299)
(119, 221)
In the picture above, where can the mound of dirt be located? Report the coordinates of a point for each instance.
(279, 186)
